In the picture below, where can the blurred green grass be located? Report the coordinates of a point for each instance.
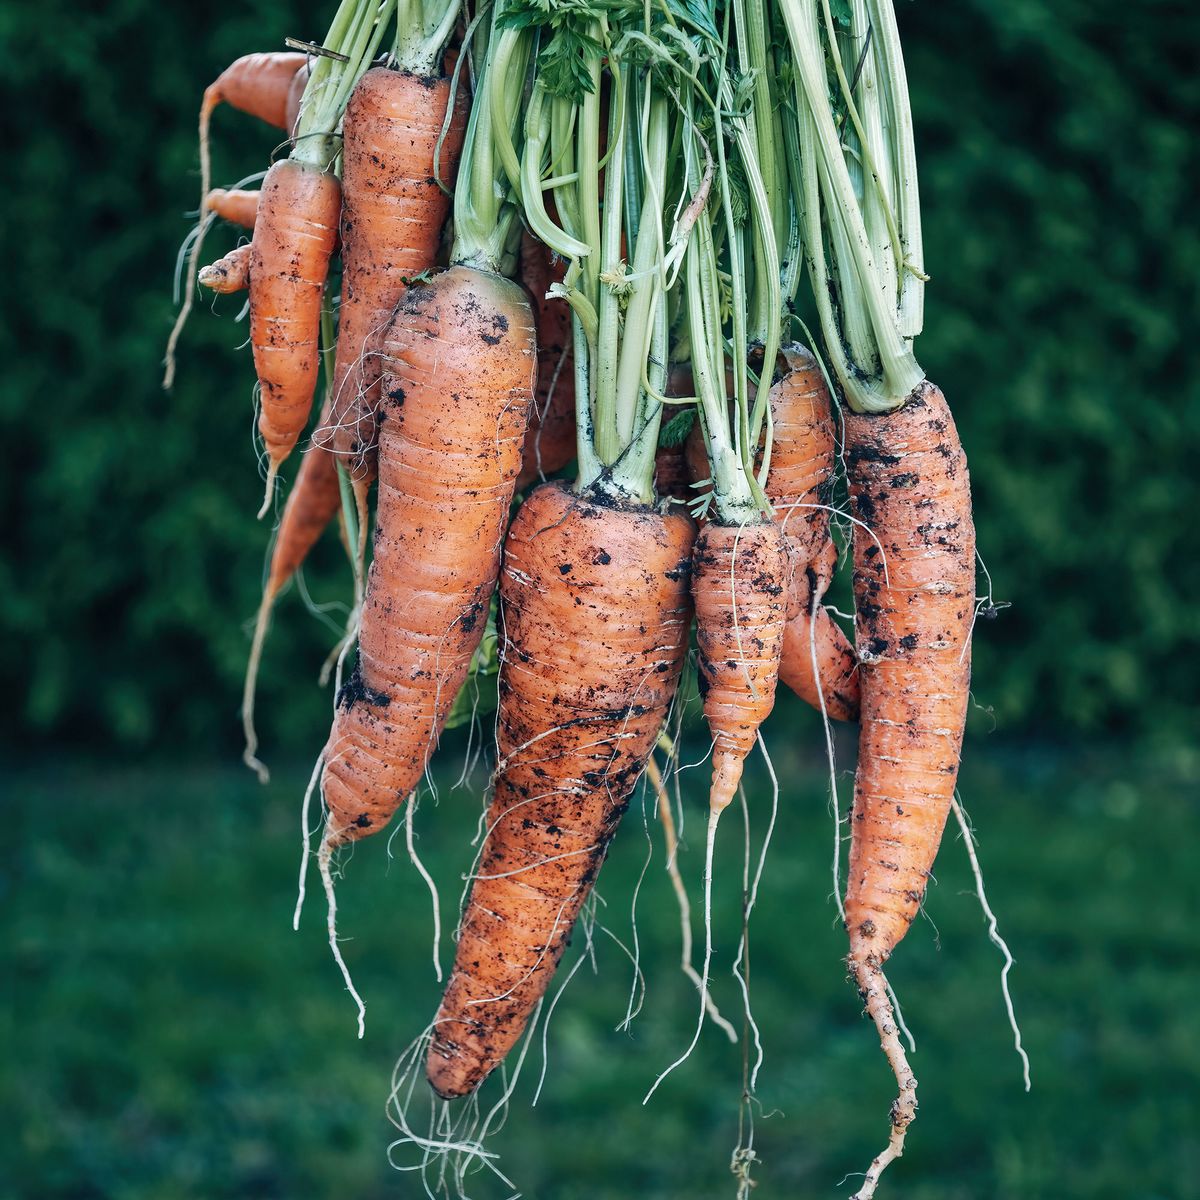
(169, 1037)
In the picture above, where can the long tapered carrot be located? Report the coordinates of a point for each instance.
(914, 585)
(294, 236)
(550, 441)
(458, 365)
(393, 213)
(312, 503)
(739, 583)
(594, 612)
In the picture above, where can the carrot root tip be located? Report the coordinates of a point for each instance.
(269, 489)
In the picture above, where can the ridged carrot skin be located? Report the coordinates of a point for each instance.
(238, 206)
(229, 274)
(914, 585)
(739, 584)
(458, 366)
(550, 442)
(294, 236)
(594, 612)
(393, 211)
(672, 479)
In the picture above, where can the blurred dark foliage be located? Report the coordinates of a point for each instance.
(1059, 161)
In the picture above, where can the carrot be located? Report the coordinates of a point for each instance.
(594, 613)
(258, 84)
(228, 274)
(739, 584)
(235, 205)
(312, 503)
(671, 476)
(818, 663)
(393, 213)
(295, 97)
(293, 239)
(550, 440)
(458, 362)
(914, 585)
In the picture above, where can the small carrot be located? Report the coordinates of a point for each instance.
(594, 612)
(914, 586)
(229, 274)
(294, 236)
(818, 662)
(235, 205)
(799, 485)
(393, 213)
(257, 84)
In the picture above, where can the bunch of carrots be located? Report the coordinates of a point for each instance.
(558, 396)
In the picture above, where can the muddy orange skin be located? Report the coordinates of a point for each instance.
(458, 364)
(294, 235)
(258, 84)
(311, 504)
(393, 211)
(595, 614)
(229, 274)
(914, 586)
(739, 583)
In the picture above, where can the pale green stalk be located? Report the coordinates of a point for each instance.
(356, 32)
(422, 30)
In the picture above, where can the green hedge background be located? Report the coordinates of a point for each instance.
(1059, 159)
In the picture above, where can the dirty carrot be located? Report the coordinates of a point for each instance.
(392, 218)
(458, 362)
(595, 612)
(914, 586)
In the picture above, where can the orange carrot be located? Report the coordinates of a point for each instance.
(594, 613)
(228, 274)
(458, 364)
(671, 475)
(293, 239)
(393, 213)
(739, 584)
(257, 84)
(550, 440)
(312, 503)
(799, 484)
(914, 585)
(813, 634)
(235, 205)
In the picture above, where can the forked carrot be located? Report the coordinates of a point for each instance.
(294, 236)
(393, 213)
(228, 274)
(550, 441)
(739, 584)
